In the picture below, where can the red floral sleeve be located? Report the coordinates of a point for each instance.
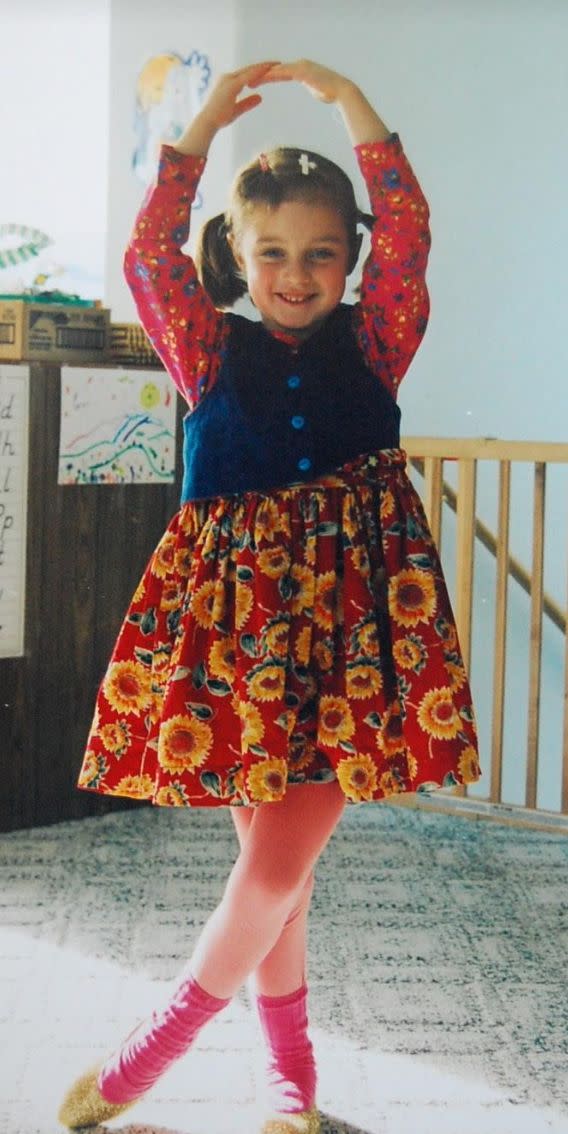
(178, 316)
(392, 313)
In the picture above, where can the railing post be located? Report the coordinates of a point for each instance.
(535, 655)
(465, 550)
(429, 454)
(500, 647)
(433, 481)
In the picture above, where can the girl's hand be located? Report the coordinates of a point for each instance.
(223, 106)
(323, 83)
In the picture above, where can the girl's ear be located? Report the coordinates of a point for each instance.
(355, 256)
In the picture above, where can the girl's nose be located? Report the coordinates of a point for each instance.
(297, 271)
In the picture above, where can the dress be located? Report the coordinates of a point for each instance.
(299, 631)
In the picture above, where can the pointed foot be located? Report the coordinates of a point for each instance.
(84, 1105)
(307, 1122)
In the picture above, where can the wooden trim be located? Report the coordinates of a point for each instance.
(486, 448)
(535, 650)
(500, 648)
(481, 811)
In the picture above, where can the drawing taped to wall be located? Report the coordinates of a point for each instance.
(169, 92)
(117, 427)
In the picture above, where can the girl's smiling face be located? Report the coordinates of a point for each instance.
(294, 257)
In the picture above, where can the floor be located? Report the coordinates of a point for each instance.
(438, 957)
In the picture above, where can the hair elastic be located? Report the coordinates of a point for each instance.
(366, 219)
(264, 163)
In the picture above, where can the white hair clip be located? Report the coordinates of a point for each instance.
(306, 164)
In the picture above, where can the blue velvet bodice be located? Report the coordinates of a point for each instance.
(279, 415)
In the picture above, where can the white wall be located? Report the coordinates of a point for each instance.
(54, 112)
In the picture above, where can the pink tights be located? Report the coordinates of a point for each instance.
(259, 926)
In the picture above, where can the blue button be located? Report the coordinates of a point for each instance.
(294, 381)
(298, 421)
(304, 464)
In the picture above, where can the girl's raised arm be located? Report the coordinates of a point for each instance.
(176, 312)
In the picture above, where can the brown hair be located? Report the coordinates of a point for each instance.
(283, 174)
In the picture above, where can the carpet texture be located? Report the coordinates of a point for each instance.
(438, 958)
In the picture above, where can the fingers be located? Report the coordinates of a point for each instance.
(320, 81)
(224, 104)
(253, 74)
(285, 72)
(246, 104)
(278, 75)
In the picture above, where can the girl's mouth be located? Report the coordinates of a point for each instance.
(295, 300)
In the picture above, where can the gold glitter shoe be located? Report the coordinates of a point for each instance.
(307, 1122)
(84, 1105)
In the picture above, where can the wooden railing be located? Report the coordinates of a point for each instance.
(427, 455)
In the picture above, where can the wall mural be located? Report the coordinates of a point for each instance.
(169, 93)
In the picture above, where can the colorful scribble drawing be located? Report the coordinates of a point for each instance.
(116, 427)
(169, 93)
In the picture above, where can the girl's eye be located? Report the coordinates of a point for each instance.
(321, 254)
(271, 253)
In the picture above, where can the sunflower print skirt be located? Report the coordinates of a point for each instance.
(279, 639)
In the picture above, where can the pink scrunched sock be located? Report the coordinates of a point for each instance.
(157, 1043)
(291, 1067)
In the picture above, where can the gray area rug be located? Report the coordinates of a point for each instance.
(438, 972)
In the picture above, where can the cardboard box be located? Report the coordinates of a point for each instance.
(53, 332)
(130, 346)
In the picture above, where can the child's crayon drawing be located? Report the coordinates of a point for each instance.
(117, 427)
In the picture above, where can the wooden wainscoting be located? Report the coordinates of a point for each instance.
(87, 546)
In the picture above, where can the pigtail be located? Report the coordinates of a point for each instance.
(216, 266)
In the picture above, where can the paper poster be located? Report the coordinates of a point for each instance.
(14, 397)
(117, 427)
(169, 93)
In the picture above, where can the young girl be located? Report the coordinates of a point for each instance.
(291, 645)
